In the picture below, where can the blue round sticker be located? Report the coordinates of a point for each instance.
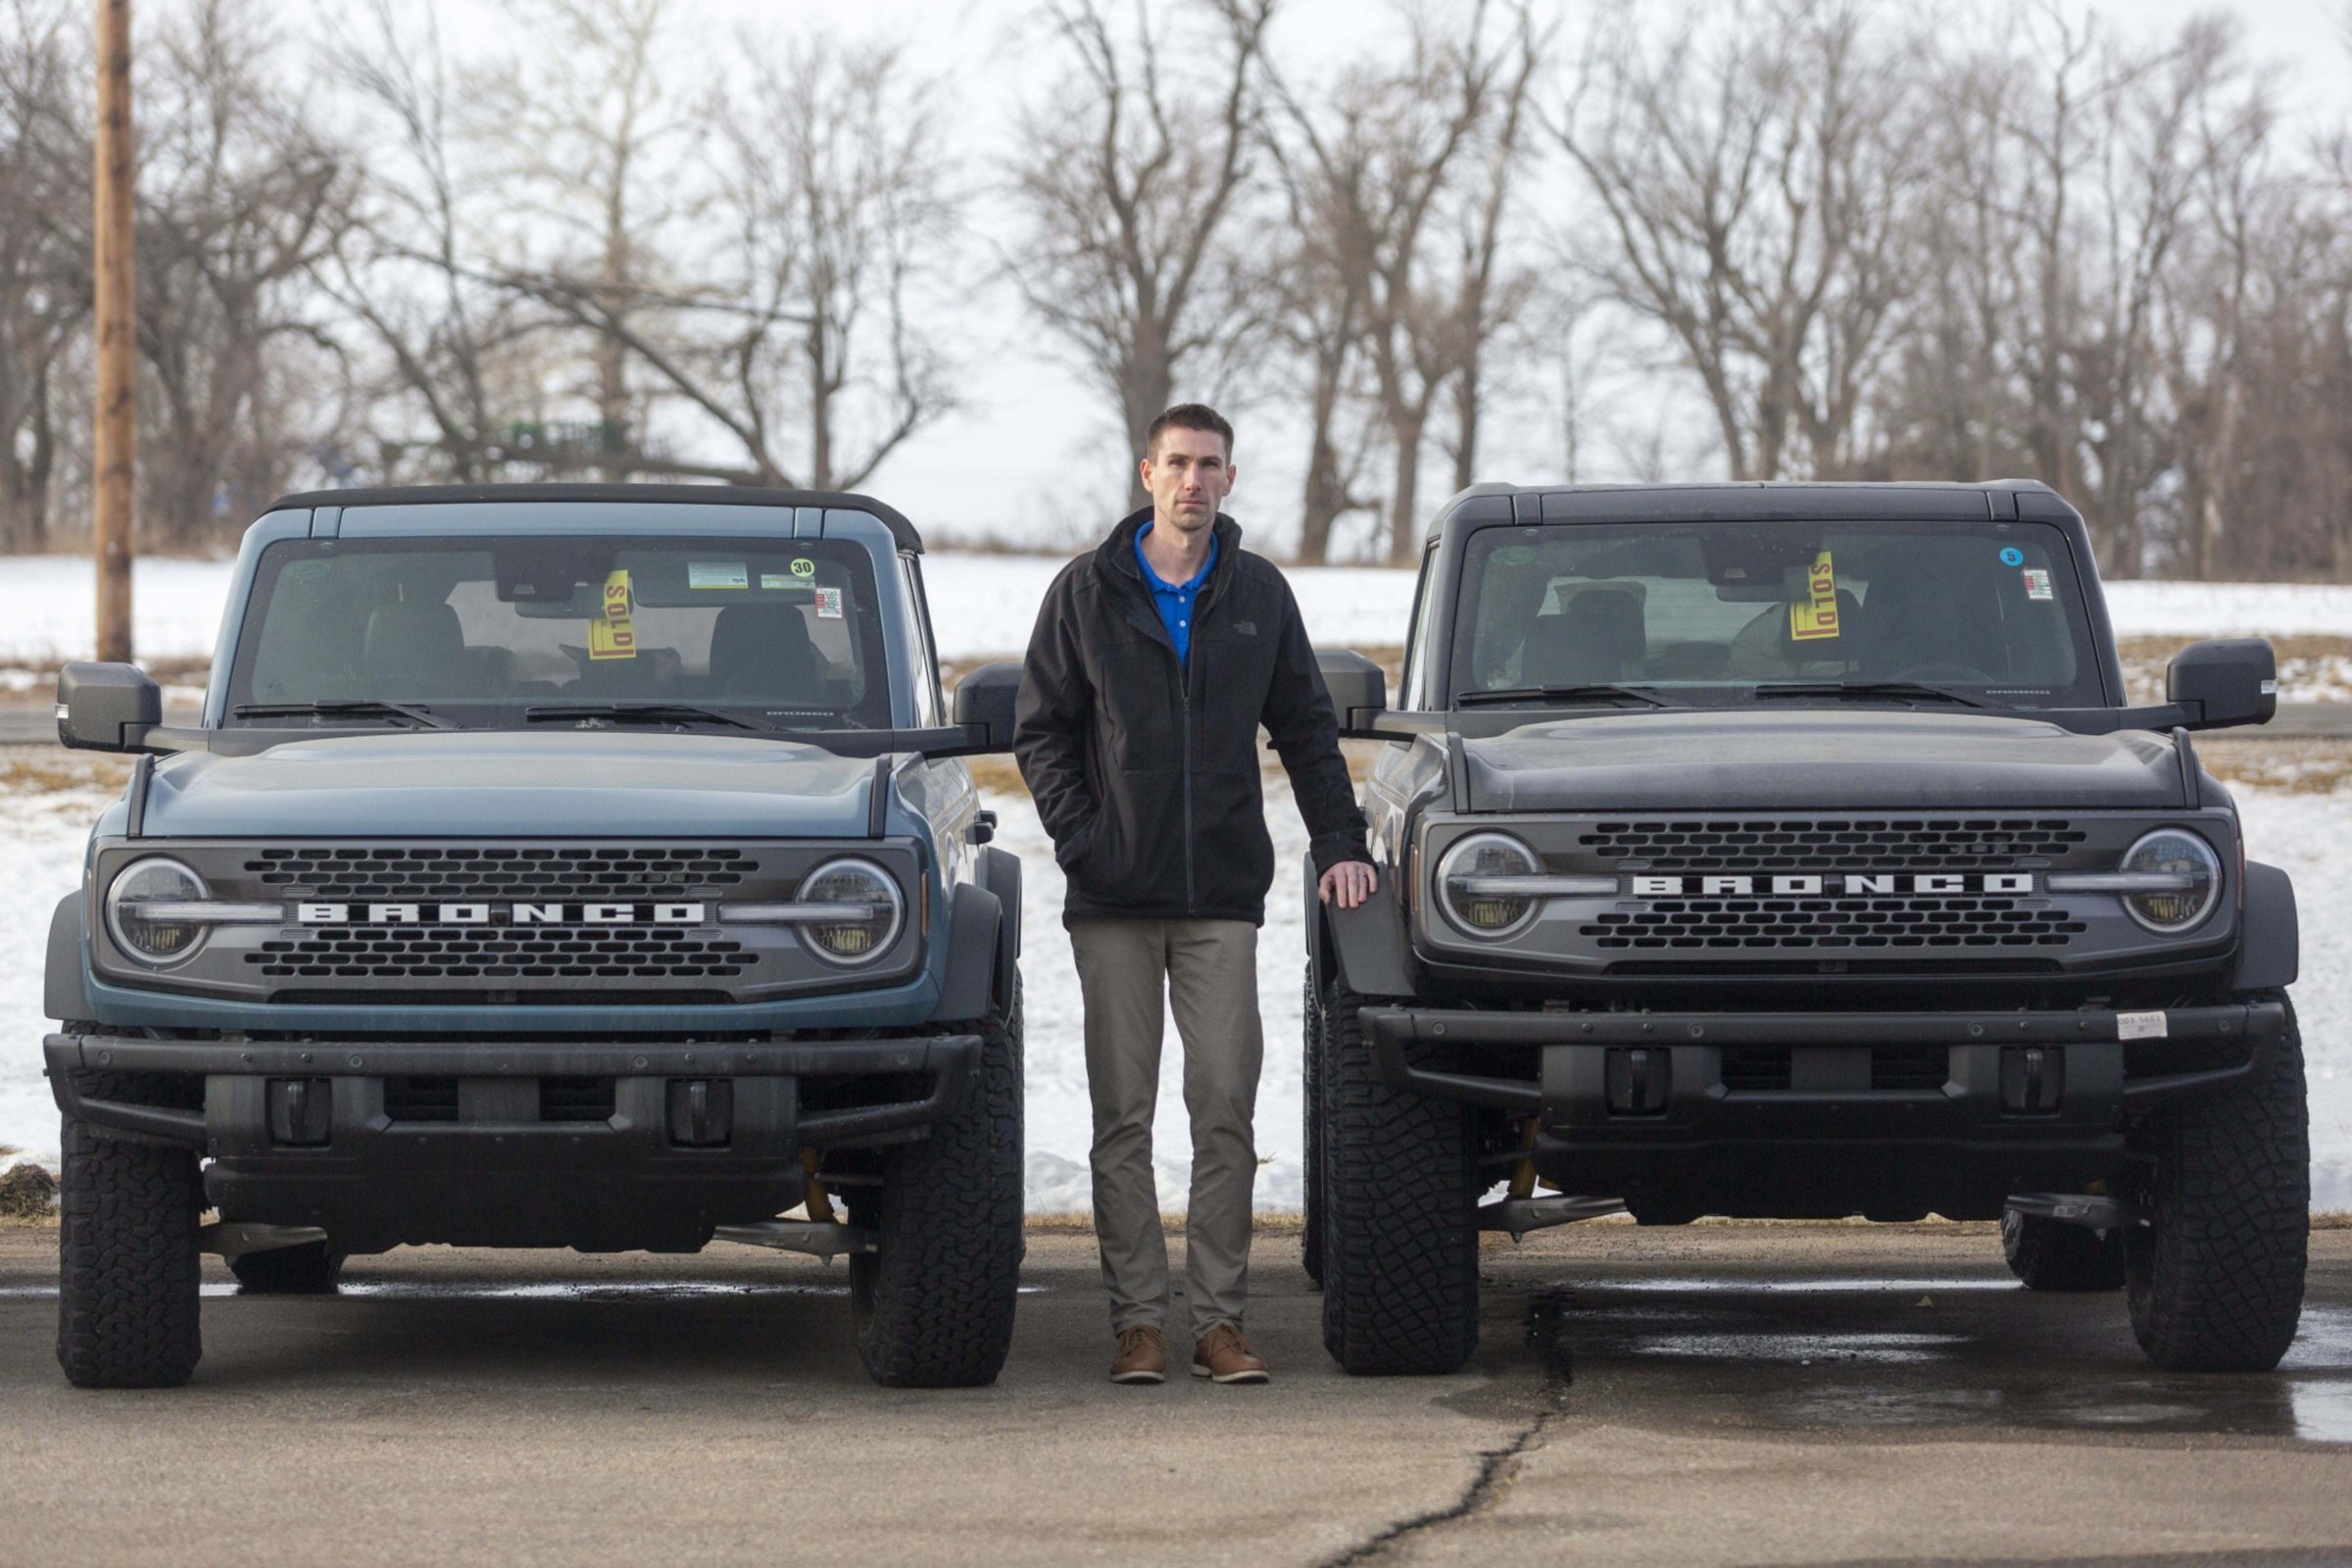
(2011, 556)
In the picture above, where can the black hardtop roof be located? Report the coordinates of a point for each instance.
(714, 495)
(1763, 501)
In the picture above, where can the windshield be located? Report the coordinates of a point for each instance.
(1727, 611)
(492, 632)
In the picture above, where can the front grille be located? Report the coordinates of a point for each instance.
(1934, 844)
(501, 954)
(1921, 921)
(1754, 1068)
(458, 873)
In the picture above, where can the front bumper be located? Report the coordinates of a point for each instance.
(1788, 1113)
(646, 1145)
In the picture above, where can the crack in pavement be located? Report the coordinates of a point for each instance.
(1495, 1469)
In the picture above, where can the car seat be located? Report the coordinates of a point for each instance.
(1598, 635)
(764, 652)
(414, 650)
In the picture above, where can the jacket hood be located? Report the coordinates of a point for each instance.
(561, 784)
(1732, 759)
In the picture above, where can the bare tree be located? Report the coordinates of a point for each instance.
(1129, 187)
(44, 253)
(455, 347)
(240, 198)
(1754, 174)
(596, 147)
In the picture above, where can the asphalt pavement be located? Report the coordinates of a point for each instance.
(1710, 1395)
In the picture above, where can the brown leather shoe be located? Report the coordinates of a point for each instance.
(1142, 1356)
(1224, 1355)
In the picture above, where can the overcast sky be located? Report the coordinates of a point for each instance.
(1033, 454)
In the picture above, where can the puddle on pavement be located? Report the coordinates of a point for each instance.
(1837, 1353)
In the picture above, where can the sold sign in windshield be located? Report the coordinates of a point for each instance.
(1816, 616)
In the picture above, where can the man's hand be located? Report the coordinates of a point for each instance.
(1349, 884)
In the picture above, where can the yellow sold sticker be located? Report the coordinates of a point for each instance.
(1816, 616)
(611, 635)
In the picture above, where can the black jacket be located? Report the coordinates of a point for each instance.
(1145, 770)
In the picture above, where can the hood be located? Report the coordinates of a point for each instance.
(562, 784)
(1740, 759)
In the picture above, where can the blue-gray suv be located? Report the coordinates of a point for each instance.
(552, 866)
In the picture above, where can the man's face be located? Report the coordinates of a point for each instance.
(1188, 476)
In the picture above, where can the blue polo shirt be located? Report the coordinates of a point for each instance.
(1175, 600)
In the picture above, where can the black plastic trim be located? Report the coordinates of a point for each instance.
(65, 984)
(974, 917)
(2269, 942)
(712, 495)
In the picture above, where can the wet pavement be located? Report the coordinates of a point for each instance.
(1712, 1393)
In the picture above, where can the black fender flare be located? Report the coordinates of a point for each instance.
(1366, 949)
(1000, 875)
(2269, 942)
(65, 983)
(974, 920)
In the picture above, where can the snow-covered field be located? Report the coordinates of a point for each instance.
(984, 605)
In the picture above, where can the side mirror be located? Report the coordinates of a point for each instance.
(99, 704)
(984, 706)
(2225, 683)
(1357, 686)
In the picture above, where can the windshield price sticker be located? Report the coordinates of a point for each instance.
(2037, 583)
(716, 574)
(1816, 617)
(611, 635)
(828, 603)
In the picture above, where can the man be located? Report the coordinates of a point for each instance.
(1154, 661)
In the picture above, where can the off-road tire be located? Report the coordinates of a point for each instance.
(2050, 1256)
(312, 1269)
(129, 1269)
(2214, 1279)
(1310, 1231)
(934, 1303)
(1401, 1255)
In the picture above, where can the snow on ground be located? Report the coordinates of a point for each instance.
(40, 848)
(985, 604)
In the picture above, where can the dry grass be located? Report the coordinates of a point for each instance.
(2312, 766)
(31, 770)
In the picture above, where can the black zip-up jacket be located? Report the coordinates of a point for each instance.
(1144, 769)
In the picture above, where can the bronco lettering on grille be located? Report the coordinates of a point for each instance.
(1819, 886)
(500, 913)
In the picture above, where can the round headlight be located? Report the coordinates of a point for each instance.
(2188, 860)
(129, 905)
(853, 882)
(1485, 913)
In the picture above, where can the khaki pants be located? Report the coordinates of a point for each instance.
(1207, 970)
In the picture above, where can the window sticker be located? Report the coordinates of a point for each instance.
(2037, 583)
(309, 570)
(716, 574)
(775, 582)
(610, 635)
(1816, 617)
(2011, 556)
(802, 566)
(828, 603)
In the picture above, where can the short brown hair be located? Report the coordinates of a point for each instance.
(1188, 417)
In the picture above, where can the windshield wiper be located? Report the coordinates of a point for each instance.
(343, 710)
(636, 713)
(1868, 688)
(1562, 694)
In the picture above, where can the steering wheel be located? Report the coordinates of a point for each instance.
(1943, 673)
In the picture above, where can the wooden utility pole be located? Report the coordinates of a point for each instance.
(116, 447)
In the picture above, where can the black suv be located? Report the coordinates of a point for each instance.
(1790, 851)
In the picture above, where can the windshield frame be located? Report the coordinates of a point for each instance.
(2085, 623)
(872, 564)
